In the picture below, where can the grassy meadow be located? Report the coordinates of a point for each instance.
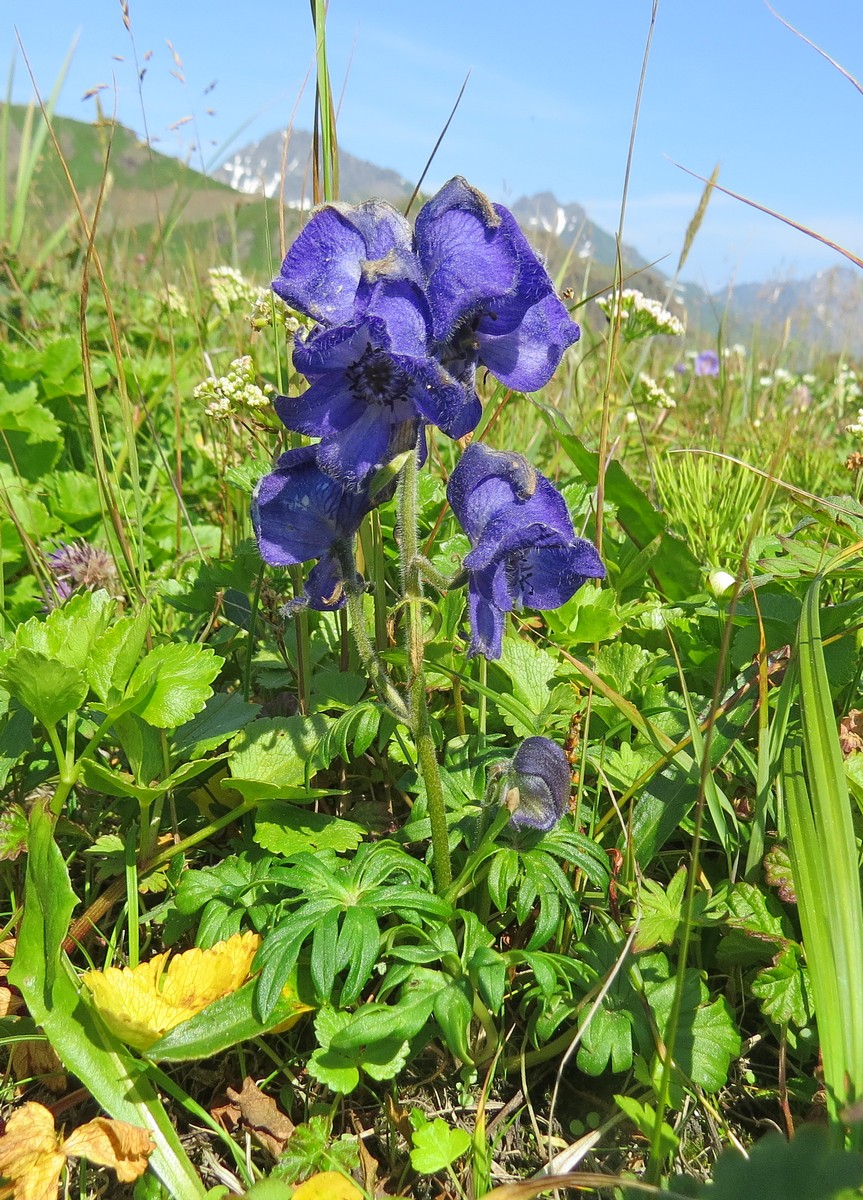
(389, 988)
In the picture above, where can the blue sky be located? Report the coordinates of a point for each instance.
(548, 106)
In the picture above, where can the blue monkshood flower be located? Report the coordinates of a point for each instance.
(404, 323)
(299, 513)
(492, 301)
(537, 784)
(707, 363)
(524, 550)
(374, 387)
(339, 255)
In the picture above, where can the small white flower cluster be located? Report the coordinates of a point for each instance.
(228, 394)
(857, 427)
(230, 290)
(640, 316)
(173, 299)
(269, 309)
(651, 392)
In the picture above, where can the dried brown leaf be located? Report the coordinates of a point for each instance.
(116, 1144)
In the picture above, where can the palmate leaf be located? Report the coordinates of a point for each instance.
(172, 683)
(784, 989)
(436, 1144)
(70, 632)
(46, 687)
(659, 911)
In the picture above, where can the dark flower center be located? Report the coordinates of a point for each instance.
(376, 379)
(519, 573)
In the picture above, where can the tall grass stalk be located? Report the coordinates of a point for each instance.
(824, 857)
(326, 154)
(31, 145)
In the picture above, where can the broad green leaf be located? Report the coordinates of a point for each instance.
(16, 738)
(809, 1167)
(172, 683)
(48, 688)
(784, 990)
(21, 413)
(339, 1068)
(226, 1023)
(437, 1145)
(284, 829)
(530, 670)
(659, 911)
(224, 714)
(13, 831)
(271, 757)
(115, 654)
(592, 615)
(453, 1011)
(607, 1042)
(69, 633)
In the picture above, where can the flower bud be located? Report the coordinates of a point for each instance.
(720, 582)
(537, 784)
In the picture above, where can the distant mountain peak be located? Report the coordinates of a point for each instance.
(265, 166)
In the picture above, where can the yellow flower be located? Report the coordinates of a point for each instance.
(32, 1155)
(140, 1004)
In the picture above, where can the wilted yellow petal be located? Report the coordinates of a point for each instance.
(123, 1147)
(328, 1185)
(30, 1154)
(198, 977)
(140, 1004)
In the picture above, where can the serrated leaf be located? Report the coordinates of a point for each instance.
(224, 715)
(809, 1167)
(437, 1146)
(271, 754)
(784, 989)
(48, 688)
(530, 670)
(659, 912)
(16, 739)
(779, 873)
(69, 632)
(607, 1041)
(173, 683)
(115, 653)
(284, 829)
(13, 832)
(20, 412)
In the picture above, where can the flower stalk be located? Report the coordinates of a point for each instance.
(419, 714)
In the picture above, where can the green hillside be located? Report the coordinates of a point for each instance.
(151, 201)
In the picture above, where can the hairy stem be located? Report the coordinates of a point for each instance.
(420, 723)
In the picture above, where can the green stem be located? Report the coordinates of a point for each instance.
(381, 681)
(420, 724)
